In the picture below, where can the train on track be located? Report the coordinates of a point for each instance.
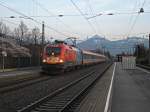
(59, 57)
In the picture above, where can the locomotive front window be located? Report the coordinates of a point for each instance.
(53, 50)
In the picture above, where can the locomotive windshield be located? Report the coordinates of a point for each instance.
(53, 50)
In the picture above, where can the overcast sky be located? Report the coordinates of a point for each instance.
(75, 25)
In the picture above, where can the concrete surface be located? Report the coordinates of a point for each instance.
(96, 99)
(131, 91)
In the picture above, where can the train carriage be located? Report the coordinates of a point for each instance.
(92, 58)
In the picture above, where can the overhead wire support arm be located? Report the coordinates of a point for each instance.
(119, 13)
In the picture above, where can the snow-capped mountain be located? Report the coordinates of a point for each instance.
(114, 47)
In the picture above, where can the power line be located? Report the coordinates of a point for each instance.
(10, 22)
(133, 10)
(135, 34)
(78, 9)
(115, 14)
(91, 10)
(13, 23)
(27, 17)
(92, 13)
(141, 11)
(46, 10)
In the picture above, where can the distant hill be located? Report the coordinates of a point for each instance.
(114, 47)
(93, 43)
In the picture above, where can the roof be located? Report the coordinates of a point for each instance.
(13, 49)
(91, 53)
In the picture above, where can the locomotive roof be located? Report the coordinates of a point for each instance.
(61, 45)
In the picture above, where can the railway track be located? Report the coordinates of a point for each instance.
(14, 85)
(27, 81)
(67, 98)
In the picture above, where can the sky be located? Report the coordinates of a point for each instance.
(73, 24)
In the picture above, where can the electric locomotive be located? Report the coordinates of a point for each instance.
(59, 56)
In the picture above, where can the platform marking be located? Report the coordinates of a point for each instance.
(110, 89)
(143, 70)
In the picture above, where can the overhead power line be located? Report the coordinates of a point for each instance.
(10, 22)
(78, 9)
(52, 15)
(92, 13)
(139, 12)
(28, 17)
(115, 14)
(131, 18)
(135, 34)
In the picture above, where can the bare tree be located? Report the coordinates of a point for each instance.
(4, 29)
(1, 27)
(36, 35)
(17, 34)
(23, 29)
(28, 40)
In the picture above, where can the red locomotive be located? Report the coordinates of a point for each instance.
(60, 56)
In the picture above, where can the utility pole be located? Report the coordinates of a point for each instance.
(149, 42)
(149, 48)
(43, 36)
(43, 40)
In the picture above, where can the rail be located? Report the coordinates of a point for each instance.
(62, 99)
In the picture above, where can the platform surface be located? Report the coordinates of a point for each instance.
(95, 100)
(21, 71)
(131, 90)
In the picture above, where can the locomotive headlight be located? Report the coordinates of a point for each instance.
(44, 60)
(61, 61)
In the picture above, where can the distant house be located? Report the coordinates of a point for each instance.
(17, 56)
(12, 48)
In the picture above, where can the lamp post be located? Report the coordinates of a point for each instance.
(4, 54)
(149, 49)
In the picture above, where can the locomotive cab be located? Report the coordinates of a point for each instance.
(58, 57)
(53, 59)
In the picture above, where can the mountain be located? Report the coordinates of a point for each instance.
(114, 47)
(93, 43)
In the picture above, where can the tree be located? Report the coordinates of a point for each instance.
(4, 29)
(36, 35)
(17, 34)
(21, 32)
(1, 27)
(23, 29)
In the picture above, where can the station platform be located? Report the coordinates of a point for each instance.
(18, 71)
(97, 99)
(119, 90)
(131, 90)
